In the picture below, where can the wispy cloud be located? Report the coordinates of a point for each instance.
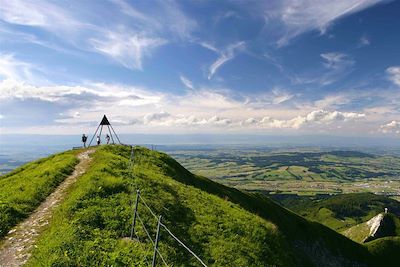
(13, 68)
(186, 82)
(336, 64)
(209, 46)
(364, 41)
(127, 45)
(293, 17)
(394, 74)
(127, 49)
(391, 127)
(281, 96)
(225, 55)
(176, 20)
(336, 60)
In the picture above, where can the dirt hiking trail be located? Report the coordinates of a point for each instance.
(18, 243)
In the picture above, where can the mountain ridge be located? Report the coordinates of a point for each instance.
(225, 226)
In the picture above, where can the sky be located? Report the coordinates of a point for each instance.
(294, 67)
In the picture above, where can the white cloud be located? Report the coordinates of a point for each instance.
(132, 12)
(209, 46)
(336, 66)
(225, 56)
(330, 101)
(144, 110)
(176, 21)
(394, 74)
(391, 127)
(281, 96)
(319, 117)
(296, 17)
(88, 95)
(77, 31)
(336, 60)
(155, 117)
(186, 82)
(36, 13)
(364, 41)
(127, 49)
(331, 116)
(12, 68)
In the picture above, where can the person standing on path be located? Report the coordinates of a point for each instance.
(84, 139)
(108, 139)
(98, 140)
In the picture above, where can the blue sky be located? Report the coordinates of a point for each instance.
(265, 67)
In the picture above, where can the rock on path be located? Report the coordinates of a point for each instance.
(18, 243)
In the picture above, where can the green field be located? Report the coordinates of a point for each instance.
(306, 173)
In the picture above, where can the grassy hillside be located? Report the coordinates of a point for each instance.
(22, 190)
(224, 226)
(385, 251)
(339, 212)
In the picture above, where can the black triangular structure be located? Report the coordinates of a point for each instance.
(103, 122)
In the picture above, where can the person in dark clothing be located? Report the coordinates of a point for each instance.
(84, 139)
(98, 140)
(108, 139)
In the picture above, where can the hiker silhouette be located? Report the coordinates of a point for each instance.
(84, 139)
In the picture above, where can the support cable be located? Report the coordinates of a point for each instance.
(180, 242)
(144, 202)
(151, 240)
(144, 227)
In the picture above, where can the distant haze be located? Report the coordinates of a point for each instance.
(204, 139)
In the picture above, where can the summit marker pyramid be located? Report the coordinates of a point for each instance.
(105, 122)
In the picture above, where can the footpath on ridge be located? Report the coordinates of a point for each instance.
(18, 243)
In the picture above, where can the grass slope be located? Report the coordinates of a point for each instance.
(22, 190)
(385, 251)
(224, 226)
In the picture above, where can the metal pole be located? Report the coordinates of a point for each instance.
(115, 134)
(134, 213)
(94, 135)
(131, 162)
(156, 242)
(108, 126)
(101, 129)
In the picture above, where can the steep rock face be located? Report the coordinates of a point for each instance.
(382, 225)
(374, 225)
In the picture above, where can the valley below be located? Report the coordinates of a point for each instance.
(302, 171)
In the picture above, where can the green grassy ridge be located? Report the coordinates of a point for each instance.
(309, 235)
(339, 212)
(385, 251)
(86, 229)
(23, 189)
(224, 226)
